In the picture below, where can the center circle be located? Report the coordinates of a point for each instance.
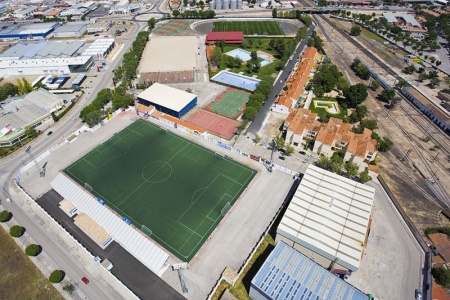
(157, 171)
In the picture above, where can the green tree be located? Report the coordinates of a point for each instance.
(121, 101)
(351, 169)
(175, 13)
(56, 276)
(274, 13)
(151, 23)
(94, 117)
(69, 288)
(16, 231)
(289, 149)
(364, 176)
(322, 3)
(24, 86)
(396, 30)
(434, 82)
(222, 45)
(370, 124)
(355, 31)
(216, 56)
(355, 94)
(8, 89)
(280, 142)
(442, 276)
(387, 95)
(385, 144)
(301, 33)
(5, 216)
(249, 113)
(31, 132)
(257, 138)
(324, 163)
(32, 250)
(409, 69)
(423, 76)
(401, 83)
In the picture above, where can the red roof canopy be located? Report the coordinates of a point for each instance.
(230, 37)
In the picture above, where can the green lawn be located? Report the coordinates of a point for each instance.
(321, 111)
(20, 278)
(172, 189)
(250, 27)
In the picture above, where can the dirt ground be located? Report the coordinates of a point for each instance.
(409, 179)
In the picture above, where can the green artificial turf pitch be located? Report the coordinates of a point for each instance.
(173, 187)
(231, 103)
(250, 27)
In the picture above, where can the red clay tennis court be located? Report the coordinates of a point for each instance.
(213, 123)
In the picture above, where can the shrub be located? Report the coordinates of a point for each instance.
(442, 276)
(16, 231)
(56, 276)
(5, 216)
(32, 250)
(69, 288)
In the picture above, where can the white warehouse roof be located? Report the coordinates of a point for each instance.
(133, 241)
(329, 214)
(167, 96)
(392, 18)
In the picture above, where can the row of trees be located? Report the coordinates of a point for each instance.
(8, 89)
(256, 100)
(347, 169)
(93, 113)
(193, 14)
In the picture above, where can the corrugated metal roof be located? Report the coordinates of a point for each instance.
(331, 213)
(72, 27)
(288, 274)
(133, 241)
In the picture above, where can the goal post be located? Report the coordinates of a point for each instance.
(225, 209)
(88, 187)
(146, 230)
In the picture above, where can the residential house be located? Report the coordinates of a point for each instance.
(296, 83)
(301, 127)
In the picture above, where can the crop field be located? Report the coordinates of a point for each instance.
(250, 27)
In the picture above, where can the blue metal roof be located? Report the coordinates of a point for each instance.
(287, 275)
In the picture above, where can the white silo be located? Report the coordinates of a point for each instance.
(226, 4)
(211, 5)
(239, 4)
(218, 4)
(233, 4)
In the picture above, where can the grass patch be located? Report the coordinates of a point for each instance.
(21, 279)
(250, 27)
(372, 35)
(241, 288)
(321, 111)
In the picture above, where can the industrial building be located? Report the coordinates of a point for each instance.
(27, 31)
(79, 9)
(328, 219)
(225, 4)
(26, 13)
(230, 37)
(99, 49)
(168, 100)
(46, 66)
(404, 21)
(288, 274)
(99, 26)
(42, 49)
(26, 111)
(71, 30)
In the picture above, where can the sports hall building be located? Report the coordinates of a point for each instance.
(168, 100)
(230, 37)
(328, 219)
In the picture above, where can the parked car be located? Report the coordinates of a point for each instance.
(302, 152)
(282, 157)
(50, 133)
(85, 280)
(8, 200)
(418, 294)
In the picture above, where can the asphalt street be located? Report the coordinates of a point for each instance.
(258, 122)
(125, 267)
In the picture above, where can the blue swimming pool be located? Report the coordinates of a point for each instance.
(236, 80)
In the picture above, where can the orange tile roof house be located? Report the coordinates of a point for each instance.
(301, 126)
(442, 243)
(337, 137)
(296, 82)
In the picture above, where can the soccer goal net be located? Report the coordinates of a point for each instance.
(88, 187)
(146, 230)
(225, 208)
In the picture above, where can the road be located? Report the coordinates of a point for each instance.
(258, 122)
(10, 165)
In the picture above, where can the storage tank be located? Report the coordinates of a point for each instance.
(218, 4)
(226, 4)
(239, 4)
(395, 104)
(211, 5)
(233, 4)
